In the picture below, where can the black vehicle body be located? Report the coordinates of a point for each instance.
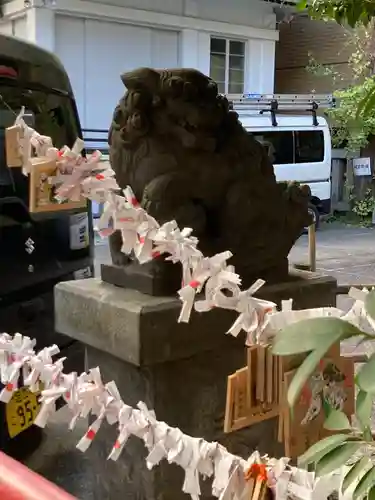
(34, 78)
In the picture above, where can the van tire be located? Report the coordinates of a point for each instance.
(316, 215)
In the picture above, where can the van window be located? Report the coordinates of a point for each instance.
(309, 146)
(286, 147)
(280, 145)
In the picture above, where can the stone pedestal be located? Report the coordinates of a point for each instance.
(179, 370)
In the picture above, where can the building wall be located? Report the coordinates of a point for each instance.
(16, 27)
(99, 40)
(327, 42)
(254, 13)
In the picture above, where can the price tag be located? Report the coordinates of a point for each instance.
(21, 411)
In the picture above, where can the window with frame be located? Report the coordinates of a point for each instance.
(301, 146)
(309, 146)
(279, 145)
(227, 65)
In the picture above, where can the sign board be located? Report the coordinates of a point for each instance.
(361, 166)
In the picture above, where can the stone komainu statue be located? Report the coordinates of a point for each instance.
(185, 154)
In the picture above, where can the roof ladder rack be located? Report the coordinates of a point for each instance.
(277, 103)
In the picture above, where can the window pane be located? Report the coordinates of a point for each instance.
(236, 88)
(279, 146)
(221, 87)
(218, 45)
(217, 61)
(236, 62)
(237, 48)
(236, 76)
(217, 74)
(309, 146)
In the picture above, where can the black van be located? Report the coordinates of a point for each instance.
(37, 251)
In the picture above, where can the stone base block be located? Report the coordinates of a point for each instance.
(179, 370)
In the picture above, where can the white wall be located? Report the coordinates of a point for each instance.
(6, 27)
(254, 13)
(95, 54)
(97, 40)
(166, 6)
(246, 12)
(15, 27)
(20, 27)
(69, 40)
(260, 67)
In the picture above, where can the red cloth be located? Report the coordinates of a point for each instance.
(17, 482)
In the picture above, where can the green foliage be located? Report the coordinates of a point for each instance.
(363, 408)
(316, 331)
(352, 120)
(354, 472)
(315, 337)
(366, 377)
(367, 103)
(370, 304)
(363, 207)
(342, 11)
(318, 450)
(350, 127)
(336, 458)
(337, 421)
(323, 70)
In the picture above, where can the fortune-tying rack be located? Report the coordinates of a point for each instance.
(258, 392)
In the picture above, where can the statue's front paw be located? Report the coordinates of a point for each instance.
(119, 259)
(115, 245)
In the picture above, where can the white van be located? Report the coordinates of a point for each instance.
(299, 145)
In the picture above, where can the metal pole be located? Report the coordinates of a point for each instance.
(312, 248)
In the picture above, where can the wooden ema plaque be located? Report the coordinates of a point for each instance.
(13, 155)
(253, 391)
(258, 490)
(42, 191)
(256, 487)
(259, 392)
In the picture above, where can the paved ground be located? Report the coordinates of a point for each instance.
(346, 253)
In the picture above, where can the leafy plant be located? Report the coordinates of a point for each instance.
(352, 121)
(349, 127)
(323, 70)
(355, 446)
(342, 11)
(364, 207)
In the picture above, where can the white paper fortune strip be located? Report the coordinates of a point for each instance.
(87, 394)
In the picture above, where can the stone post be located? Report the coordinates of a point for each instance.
(179, 370)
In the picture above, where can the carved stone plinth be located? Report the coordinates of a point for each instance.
(179, 370)
(144, 278)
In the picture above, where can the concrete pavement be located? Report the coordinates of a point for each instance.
(347, 253)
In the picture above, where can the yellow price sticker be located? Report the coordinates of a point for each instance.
(22, 410)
